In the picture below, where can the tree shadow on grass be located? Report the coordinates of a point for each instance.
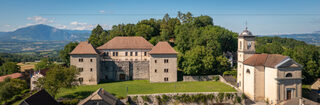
(78, 95)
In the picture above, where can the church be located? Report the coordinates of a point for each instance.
(266, 77)
(125, 58)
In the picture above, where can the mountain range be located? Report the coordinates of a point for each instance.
(310, 38)
(43, 32)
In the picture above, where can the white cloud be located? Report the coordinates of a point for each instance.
(102, 11)
(40, 20)
(75, 23)
(7, 25)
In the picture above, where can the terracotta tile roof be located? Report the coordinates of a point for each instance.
(162, 48)
(12, 76)
(268, 60)
(84, 48)
(131, 42)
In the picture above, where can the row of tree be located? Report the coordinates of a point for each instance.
(306, 55)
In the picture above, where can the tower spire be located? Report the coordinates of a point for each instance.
(246, 25)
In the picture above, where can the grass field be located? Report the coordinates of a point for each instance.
(144, 87)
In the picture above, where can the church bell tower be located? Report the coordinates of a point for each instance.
(246, 48)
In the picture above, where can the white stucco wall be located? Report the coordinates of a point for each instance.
(249, 81)
(271, 84)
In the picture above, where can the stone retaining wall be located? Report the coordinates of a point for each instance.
(199, 78)
(138, 100)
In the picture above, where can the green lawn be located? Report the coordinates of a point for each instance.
(144, 87)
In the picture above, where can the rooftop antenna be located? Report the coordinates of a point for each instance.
(246, 25)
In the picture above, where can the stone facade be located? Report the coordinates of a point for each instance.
(125, 58)
(88, 66)
(124, 70)
(163, 68)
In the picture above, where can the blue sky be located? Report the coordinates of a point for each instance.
(263, 16)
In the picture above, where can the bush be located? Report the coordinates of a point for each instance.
(238, 99)
(243, 96)
(221, 97)
(215, 78)
(146, 98)
(165, 99)
(230, 73)
(135, 98)
(70, 102)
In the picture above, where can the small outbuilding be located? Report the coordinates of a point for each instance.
(100, 97)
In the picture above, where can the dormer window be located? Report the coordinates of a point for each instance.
(289, 75)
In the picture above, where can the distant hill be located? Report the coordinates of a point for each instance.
(310, 38)
(42, 32)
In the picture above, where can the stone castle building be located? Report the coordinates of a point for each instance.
(266, 77)
(125, 58)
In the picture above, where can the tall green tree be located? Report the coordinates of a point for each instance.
(44, 64)
(9, 68)
(11, 87)
(58, 77)
(98, 36)
(64, 53)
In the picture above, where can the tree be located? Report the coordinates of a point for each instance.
(43, 64)
(1, 61)
(58, 77)
(9, 68)
(64, 53)
(12, 87)
(203, 21)
(98, 36)
(144, 30)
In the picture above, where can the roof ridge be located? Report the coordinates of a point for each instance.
(265, 61)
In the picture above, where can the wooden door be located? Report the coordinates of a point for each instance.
(289, 93)
(122, 77)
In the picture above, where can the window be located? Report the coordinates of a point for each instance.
(145, 59)
(289, 75)
(80, 69)
(166, 79)
(155, 61)
(91, 69)
(136, 53)
(126, 53)
(116, 53)
(249, 45)
(131, 53)
(248, 71)
(155, 70)
(91, 60)
(166, 70)
(240, 45)
(136, 59)
(107, 53)
(166, 60)
(113, 53)
(145, 53)
(81, 60)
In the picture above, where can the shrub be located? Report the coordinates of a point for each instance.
(135, 98)
(220, 97)
(70, 102)
(210, 96)
(238, 99)
(243, 96)
(230, 73)
(215, 78)
(229, 95)
(146, 98)
(165, 99)
(159, 99)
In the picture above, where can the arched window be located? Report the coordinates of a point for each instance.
(248, 71)
(288, 75)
